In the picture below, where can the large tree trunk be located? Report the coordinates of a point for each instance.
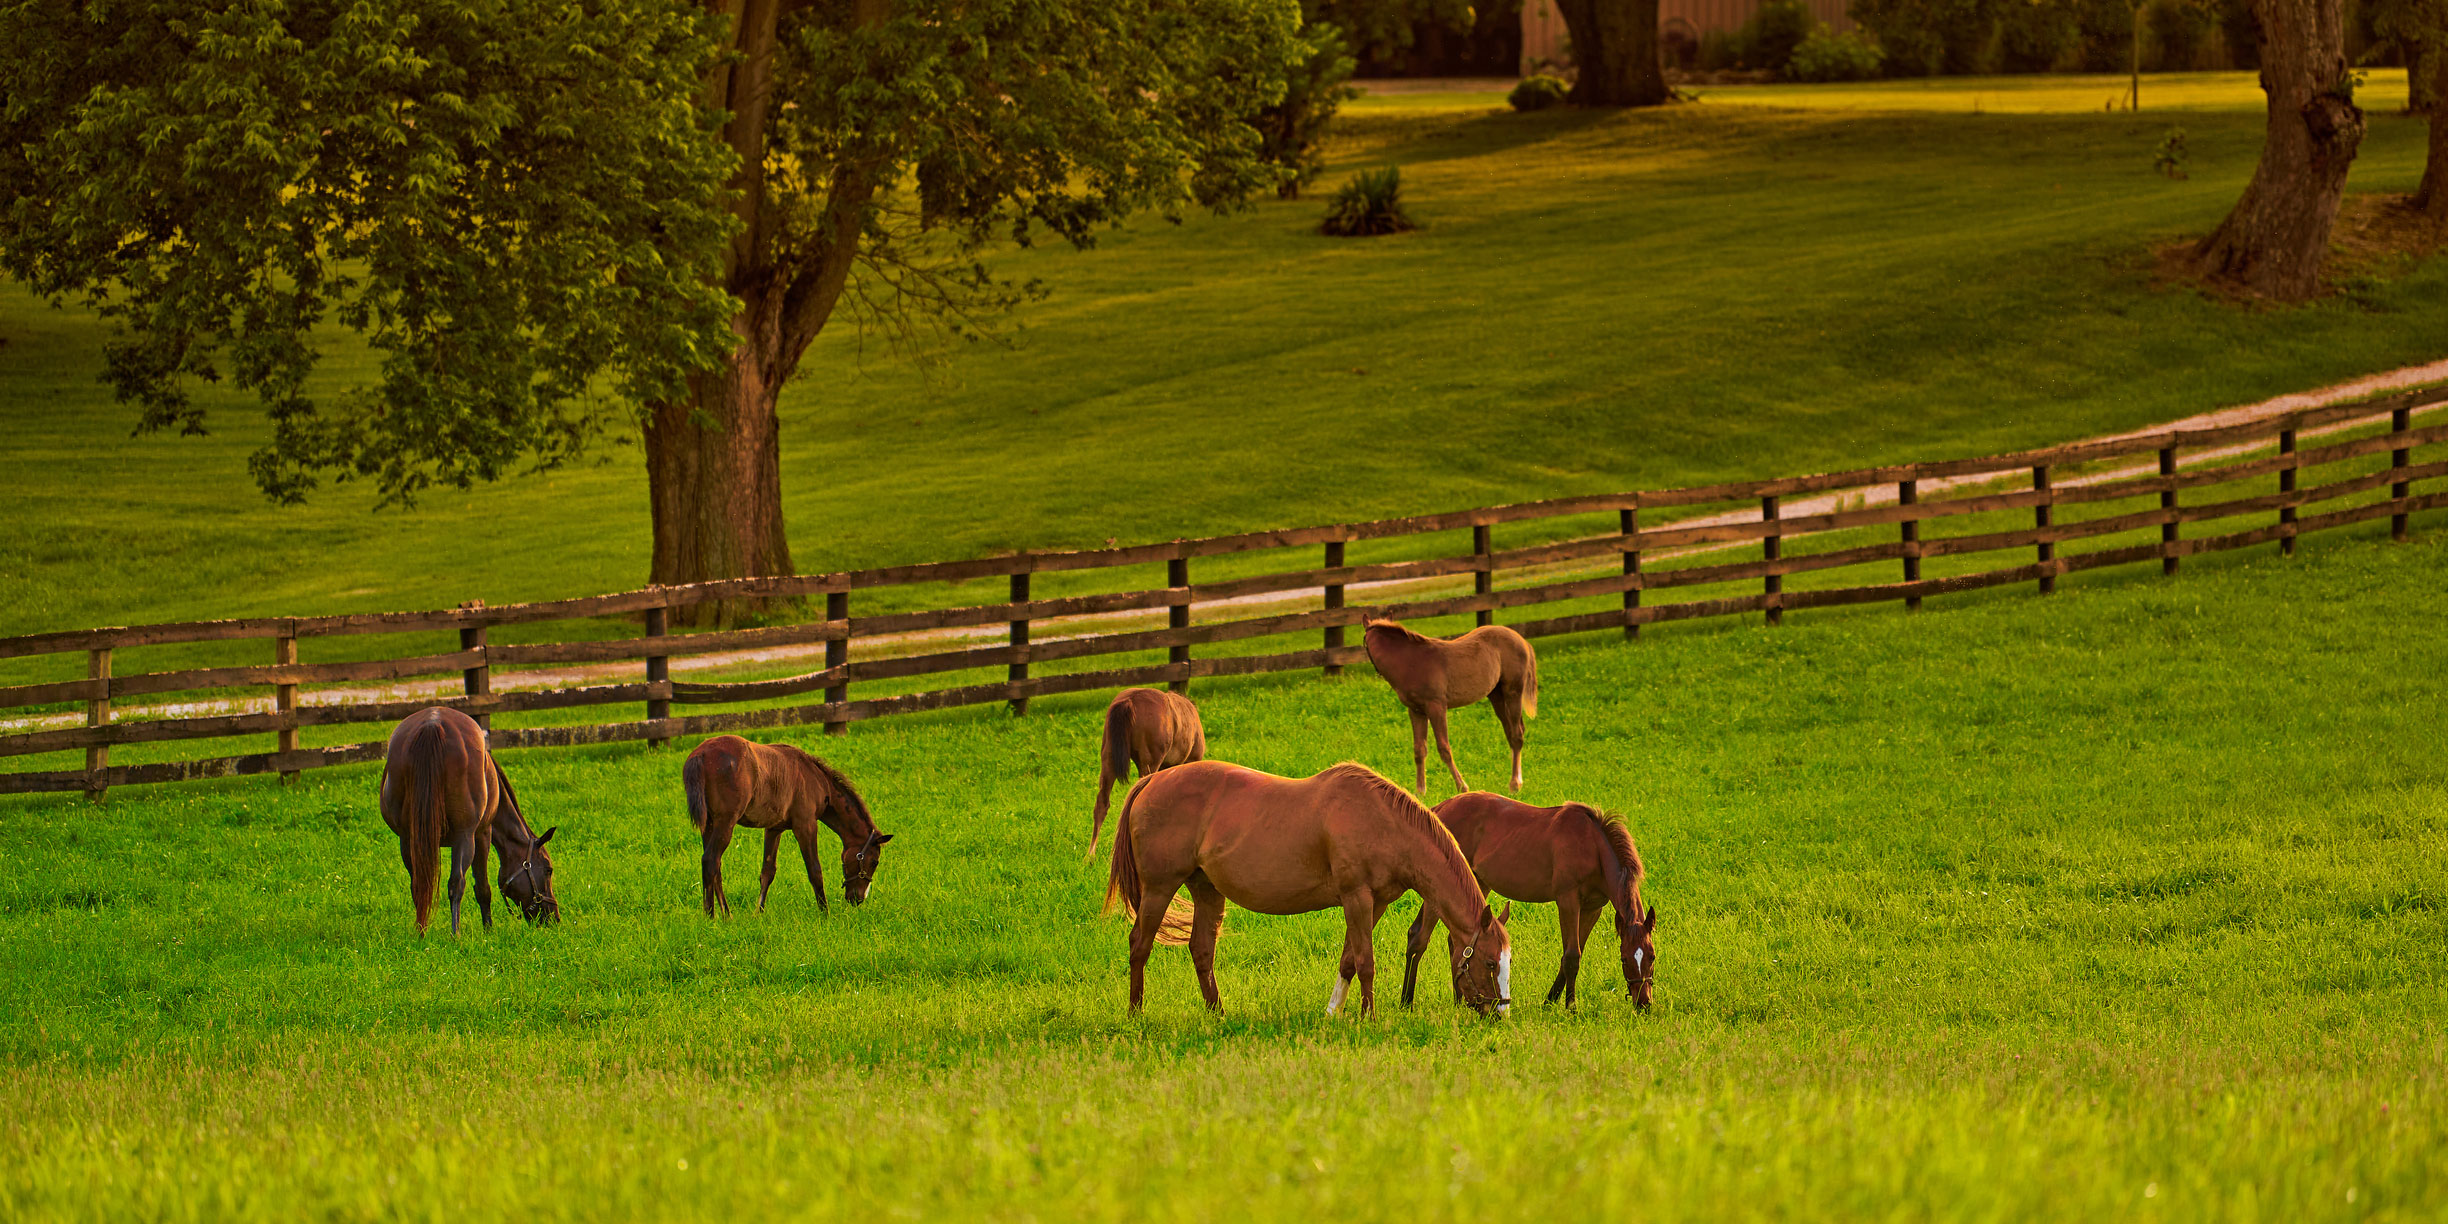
(2432, 196)
(1615, 52)
(2272, 244)
(714, 480)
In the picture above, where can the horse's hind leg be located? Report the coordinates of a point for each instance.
(463, 854)
(1207, 918)
(773, 850)
(1509, 716)
(1419, 751)
(1155, 897)
(1573, 931)
(1415, 946)
(1436, 719)
(717, 839)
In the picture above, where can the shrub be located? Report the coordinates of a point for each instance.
(1925, 37)
(1829, 56)
(1773, 33)
(1538, 92)
(2035, 37)
(1370, 204)
(1720, 50)
(1292, 133)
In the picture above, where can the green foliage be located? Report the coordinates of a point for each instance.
(1775, 29)
(1538, 92)
(1294, 130)
(513, 200)
(2170, 158)
(2036, 37)
(2017, 908)
(1927, 37)
(1829, 56)
(1367, 206)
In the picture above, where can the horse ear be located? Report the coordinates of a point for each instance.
(1507, 916)
(1651, 921)
(1487, 918)
(548, 835)
(882, 838)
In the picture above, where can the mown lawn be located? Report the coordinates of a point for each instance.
(1768, 281)
(2125, 902)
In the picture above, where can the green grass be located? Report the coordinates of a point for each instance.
(1770, 281)
(2124, 902)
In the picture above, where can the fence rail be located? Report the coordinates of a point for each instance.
(1770, 514)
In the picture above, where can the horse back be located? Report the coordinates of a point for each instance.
(442, 748)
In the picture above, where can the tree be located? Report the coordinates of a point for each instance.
(565, 218)
(1615, 52)
(2419, 28)
(2274, 241)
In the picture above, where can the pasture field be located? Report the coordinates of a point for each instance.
(2124, 902)
(1766, 282)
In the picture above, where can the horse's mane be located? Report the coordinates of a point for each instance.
(1402, 801)
(856, 802)
(1391, 626)
(1619, 836)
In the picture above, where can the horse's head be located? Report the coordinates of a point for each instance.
(859, 865)
(526, 878)
(1640, 957)
(1483, 964)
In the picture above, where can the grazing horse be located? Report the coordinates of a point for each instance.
(1573, 855)
(1433, 675)
(1346, 837)
(775, 787)
(1148, 728)
(441, 788)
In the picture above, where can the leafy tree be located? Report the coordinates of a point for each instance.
(563, 218)
(2273, 242)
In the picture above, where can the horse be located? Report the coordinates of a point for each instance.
(775, 787)
(441, 788)
(1346, 837)
(1433, 675)
(1148, 728)
(1573, 855)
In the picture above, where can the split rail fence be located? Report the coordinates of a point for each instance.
(2059, 478)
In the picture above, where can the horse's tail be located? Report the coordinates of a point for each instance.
(1113, 761)
(1122, 879)
(692, 780)
(424, 835)
(1529, 705)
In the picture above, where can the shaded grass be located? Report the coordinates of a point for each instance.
(2017, 907)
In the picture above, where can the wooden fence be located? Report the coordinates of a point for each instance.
(2060, 480)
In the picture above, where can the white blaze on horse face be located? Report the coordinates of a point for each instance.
(1639, 957)
(1504, 981)
(1341, 984)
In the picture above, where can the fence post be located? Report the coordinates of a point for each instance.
(1177, 576)
(1483, 582)
(2167, 501)
(1020, 636)
(2040, 519)
(658, 671)
(284, 697)
(479, 679)
(1334, 600)
(2399, 421)
(1908, 493)
(1629, 520)
(2286, 484)
(837, 654)
(1771, 547)
(97, 714)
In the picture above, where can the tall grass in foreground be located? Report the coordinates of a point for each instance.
(2124, 902)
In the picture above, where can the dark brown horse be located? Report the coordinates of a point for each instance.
(1433, 675)
(1148, 728)
(441, 788)
(775, 787)
(1573, 855)
(1346, 837)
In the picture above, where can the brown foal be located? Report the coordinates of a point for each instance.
(441, 788)
(1150, 729)
(780, 789)
(1433, 675)
(1345, 837)
(1573, 855)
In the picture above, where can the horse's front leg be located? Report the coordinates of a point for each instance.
(806, 833)
(1359, 956)
(773, 851)
(1415, 946)
(484, 883)
(1436, 719)
(1571, 929)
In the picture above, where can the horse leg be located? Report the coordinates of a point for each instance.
(773, 848)
(1419, 751)
(1359, 957)
(1152, 903)
(1436, 719)
(717, 838)
(463, 853)
(1207, 918)
(1509, 716)
(484, 885)
(1415, 946)
(1568, 926)
(806, 833)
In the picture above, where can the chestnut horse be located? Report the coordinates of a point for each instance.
(1148, 728)
(1433, 675)
(1573, 855)
(441, 788)
(1346, 837)
(775, 787)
